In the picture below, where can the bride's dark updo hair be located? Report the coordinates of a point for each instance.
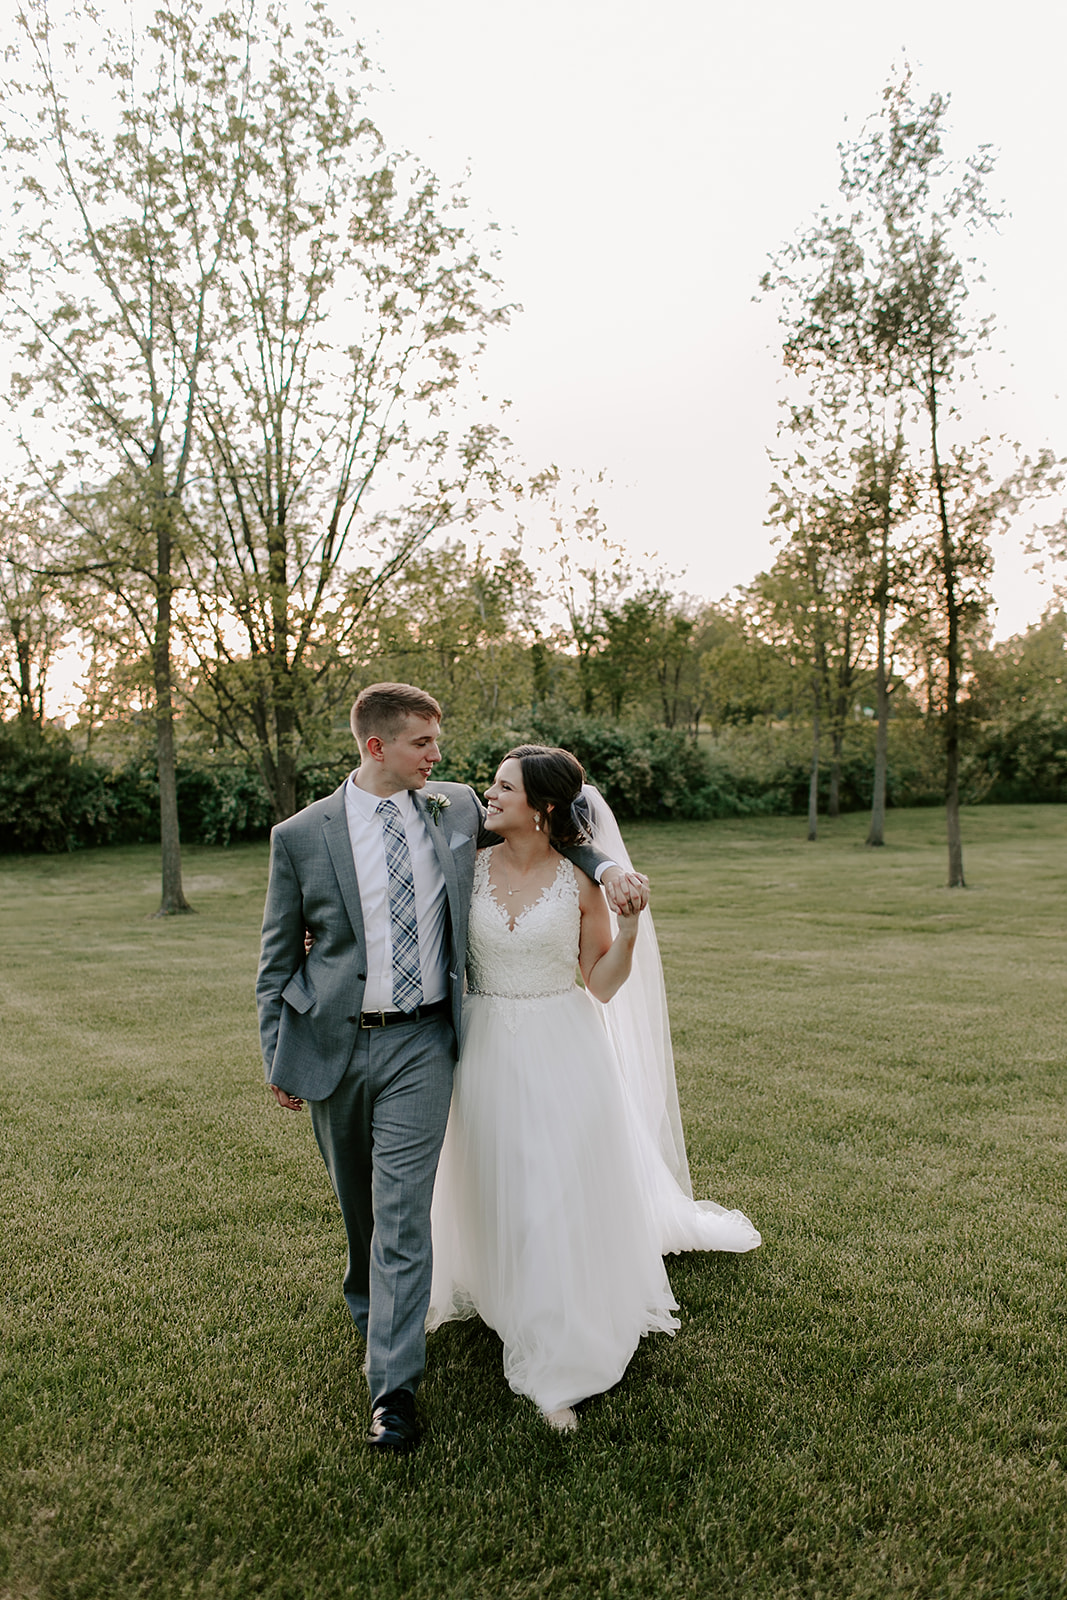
(553, 777)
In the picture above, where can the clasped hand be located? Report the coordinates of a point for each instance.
(627, 892)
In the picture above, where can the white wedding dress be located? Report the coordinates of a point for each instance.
(554, 1205)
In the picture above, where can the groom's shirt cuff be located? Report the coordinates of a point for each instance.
(602, 868)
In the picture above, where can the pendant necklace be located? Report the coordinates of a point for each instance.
(507, 881)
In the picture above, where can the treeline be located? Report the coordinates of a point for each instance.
(732, 739)
(244, 339)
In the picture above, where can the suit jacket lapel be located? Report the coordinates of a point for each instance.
(440, 834)
(339, 844)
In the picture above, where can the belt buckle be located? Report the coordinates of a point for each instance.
(365, 1016)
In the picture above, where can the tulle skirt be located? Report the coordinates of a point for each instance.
(552, 1208)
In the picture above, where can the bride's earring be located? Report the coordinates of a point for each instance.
(537, 821)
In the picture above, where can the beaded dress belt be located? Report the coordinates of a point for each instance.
(538, 994)
(386, 1019)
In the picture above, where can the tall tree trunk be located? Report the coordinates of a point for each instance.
(541, 677)
(283, 787)
(284, 795)
(585, 679)
(837, 740)
(876, 831)
(282, 671)
(842, 696)
(173, 899)
(813, 783)
(27, 716)
(950, 722)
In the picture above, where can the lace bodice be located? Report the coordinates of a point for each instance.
(535, 958)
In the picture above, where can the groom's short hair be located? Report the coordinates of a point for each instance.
(383, 708)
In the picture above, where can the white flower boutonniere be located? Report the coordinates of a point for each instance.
(435, 804)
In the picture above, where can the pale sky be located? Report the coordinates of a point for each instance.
(643, 159)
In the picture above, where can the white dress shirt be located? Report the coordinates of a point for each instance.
(431, 903)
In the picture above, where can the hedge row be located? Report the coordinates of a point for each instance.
(653, 772)
(52, 799)
(745, 771)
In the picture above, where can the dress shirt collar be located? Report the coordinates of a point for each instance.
(366, 804)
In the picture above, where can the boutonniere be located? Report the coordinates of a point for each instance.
(435, 804)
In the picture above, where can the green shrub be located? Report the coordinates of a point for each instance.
(1023, 760)
(323, 777)
(35, 789)
(219, 802)
(108, 806)
(642, 772)
(53, 800)
(768, 768)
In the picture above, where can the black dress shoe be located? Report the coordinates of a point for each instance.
(393, 1425)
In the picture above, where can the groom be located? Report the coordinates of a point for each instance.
(363, 1026)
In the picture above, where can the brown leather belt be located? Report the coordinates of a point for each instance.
(386, 1019)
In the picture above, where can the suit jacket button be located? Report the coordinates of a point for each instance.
(355, 1018)
(362, 976)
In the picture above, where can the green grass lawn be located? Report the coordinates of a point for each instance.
(873, 1405)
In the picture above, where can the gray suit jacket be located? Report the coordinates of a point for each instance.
(309, 1005)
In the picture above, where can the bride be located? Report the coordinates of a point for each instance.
(563, 1178)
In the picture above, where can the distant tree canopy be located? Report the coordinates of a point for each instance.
(474, 630)
(256, 478)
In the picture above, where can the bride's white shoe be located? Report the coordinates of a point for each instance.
(564, 1421)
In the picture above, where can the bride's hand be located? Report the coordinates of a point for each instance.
(627, 892)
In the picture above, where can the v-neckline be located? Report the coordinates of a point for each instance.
(510, 924)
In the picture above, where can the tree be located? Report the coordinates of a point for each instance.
(886, 487)
(886, 329)
(116, 678)
(591, 573)
(112, 289)
(463, 626)
(855, 385)
(34, 622)
(258, 320)
(624, 663)
(922, 320)
(977, 506)
(649, 657)
(1017, 704)
(923, 323)
(744, 678)
(354, 306)
(816, 598)
(678, 638)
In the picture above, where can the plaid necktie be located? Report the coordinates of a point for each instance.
(407, 974)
